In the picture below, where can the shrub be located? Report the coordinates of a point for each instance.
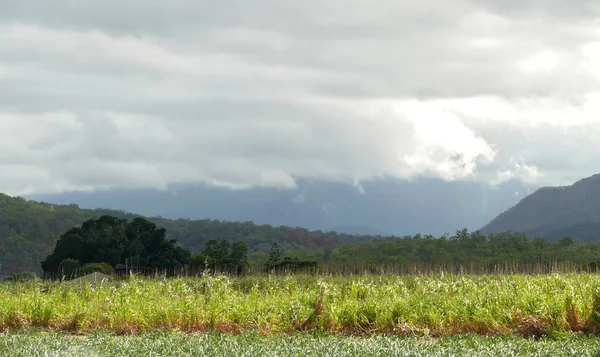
(103, 268)
(22, 277)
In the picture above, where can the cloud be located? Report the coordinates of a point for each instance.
(518, 169)
(299, 198)
(155, 94)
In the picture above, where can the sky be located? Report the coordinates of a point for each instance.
(238, 94)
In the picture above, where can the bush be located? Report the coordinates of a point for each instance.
(103, 268)
(22, 277)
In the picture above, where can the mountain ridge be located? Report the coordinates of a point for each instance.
(426, 206)
(554, 212)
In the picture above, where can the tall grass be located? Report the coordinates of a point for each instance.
(407, 268)
(433, 305)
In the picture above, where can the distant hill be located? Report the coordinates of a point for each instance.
(424, 205)
(359, 230)
(29, 231)
(555, 212)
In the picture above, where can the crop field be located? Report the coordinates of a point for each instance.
(429, 305)
(175, 344)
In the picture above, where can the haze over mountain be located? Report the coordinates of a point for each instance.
(555, 212)
(426, 206)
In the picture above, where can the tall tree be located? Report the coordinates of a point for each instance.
(239, 256)
(113, 240)
(274, 255)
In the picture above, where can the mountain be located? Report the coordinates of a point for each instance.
(555, 212)
(427, 206)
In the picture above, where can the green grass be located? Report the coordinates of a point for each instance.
(361, 305)
(34, 344)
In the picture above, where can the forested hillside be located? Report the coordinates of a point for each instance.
(29, 231)
(554, 212)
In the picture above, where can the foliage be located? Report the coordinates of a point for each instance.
(219, 256)
(291, 265)
(103, 268)
(22, 277)
(288, 264)
(274, 256)
(473, 252)
(436, 305)
(67, 268)
(175, 344)
(555, 212)
(112, 240)
(29, 232)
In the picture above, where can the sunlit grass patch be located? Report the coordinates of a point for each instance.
(529, 305)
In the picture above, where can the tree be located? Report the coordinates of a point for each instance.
(565, 242)
(540, 243)
(68, 268)
(223, 253)
(211, 251)
(239, 256)
(197, 261)
(274, 256)
(114, 240)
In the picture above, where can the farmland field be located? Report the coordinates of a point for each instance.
(429, 305)
(174, 344)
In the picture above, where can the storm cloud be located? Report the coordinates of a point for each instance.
(144, 94)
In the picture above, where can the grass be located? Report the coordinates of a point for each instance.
(34, 344)
(441, 305)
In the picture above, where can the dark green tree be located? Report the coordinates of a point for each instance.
(114, 240)
(239, 256)
(68, 268)
(274, 256)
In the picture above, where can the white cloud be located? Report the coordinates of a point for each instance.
(236, 97)
(543, 62)
(517, 168)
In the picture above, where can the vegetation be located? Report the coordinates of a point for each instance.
(435, 305)
(555, 212)
(287, 264)
(38, 344)
(221, 257)
(467, 252)
(30, 230)
(111, 241)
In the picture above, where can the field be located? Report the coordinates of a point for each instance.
(36, 344)
(428, 305)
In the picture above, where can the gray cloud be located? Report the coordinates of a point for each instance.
(145, 93)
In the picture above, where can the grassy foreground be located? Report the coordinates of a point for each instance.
(305, 345)
(425, 305)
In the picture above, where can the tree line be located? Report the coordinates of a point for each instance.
(102, 244)
(466, 249)
(29, 231)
